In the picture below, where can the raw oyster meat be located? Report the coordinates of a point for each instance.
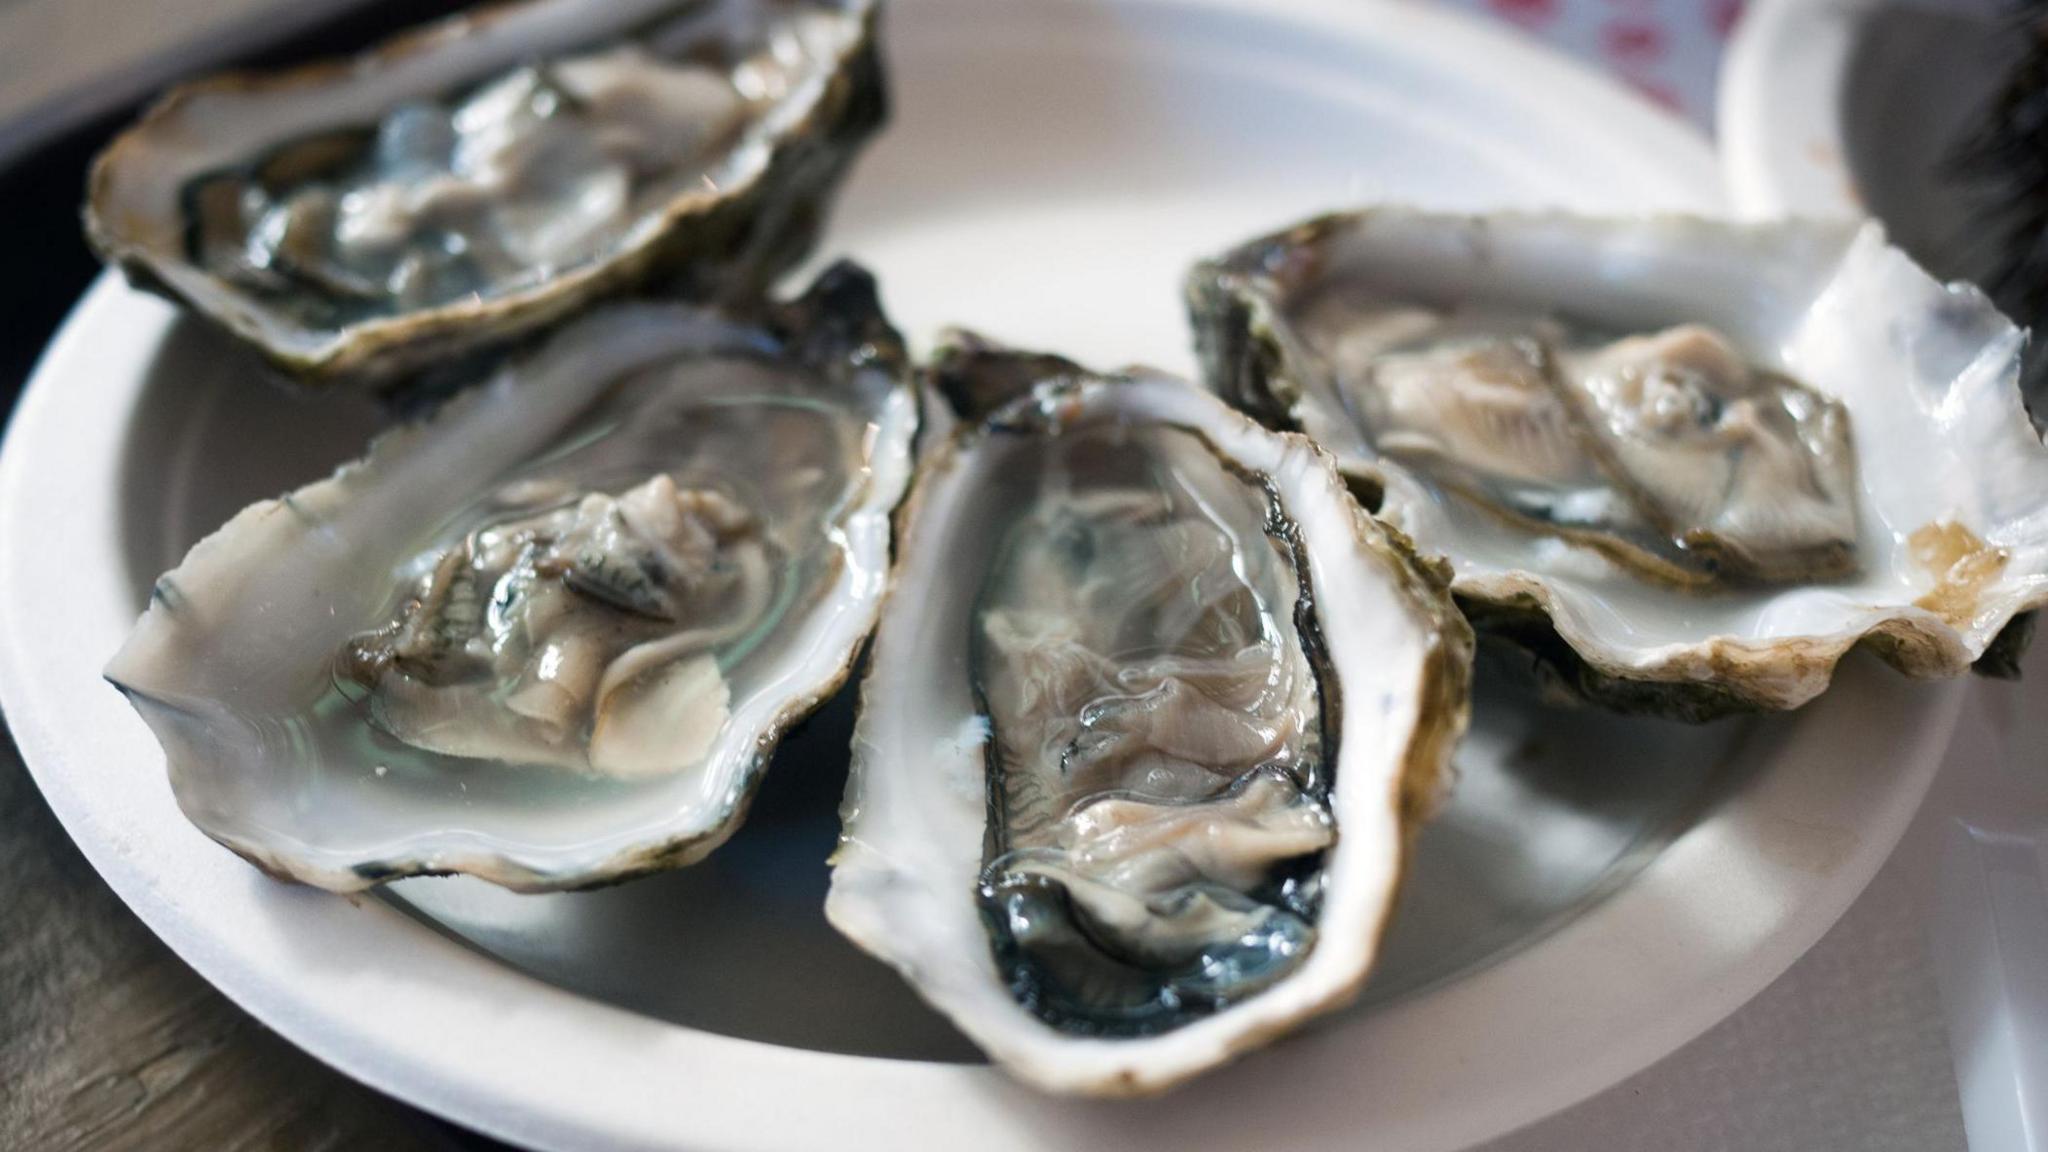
(1667, 452)
(1686, 464)
(1151, 715)
(493, 174)
(550, 635)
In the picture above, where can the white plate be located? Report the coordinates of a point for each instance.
(1600, 892)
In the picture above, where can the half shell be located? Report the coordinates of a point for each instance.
(1152, 713)
(1936, 506)
(550, 635)
(492, 174)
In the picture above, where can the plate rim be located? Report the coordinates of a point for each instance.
(449, 1030)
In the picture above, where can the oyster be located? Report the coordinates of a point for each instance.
(550, 635)
(1667, 452)
(1151, 715)
(1686, 464)
(493, 174)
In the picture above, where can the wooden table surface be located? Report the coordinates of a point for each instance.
(109, 1043)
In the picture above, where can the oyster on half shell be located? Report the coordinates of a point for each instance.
(492, 174)
(1686, 464)
(1152, 713)
(550, 635)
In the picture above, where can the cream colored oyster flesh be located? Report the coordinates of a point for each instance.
(1668, 452)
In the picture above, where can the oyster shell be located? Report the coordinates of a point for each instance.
(493, 174)
(1153, 710)
(1687, 465)
(550, 635)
